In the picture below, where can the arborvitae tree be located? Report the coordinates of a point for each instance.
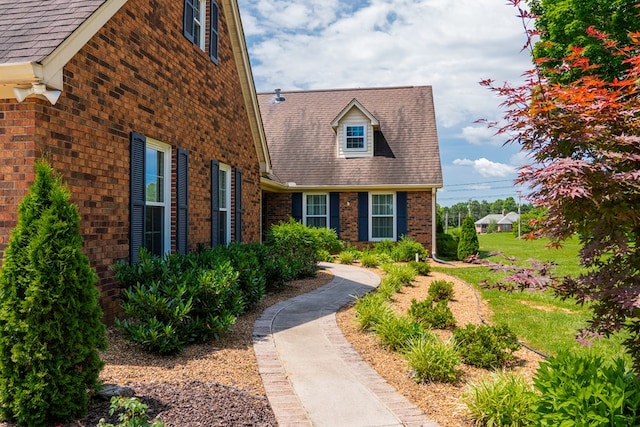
(468, 244)
(50, 327)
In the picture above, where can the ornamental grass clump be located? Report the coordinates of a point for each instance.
(50, 328)
(432, 359)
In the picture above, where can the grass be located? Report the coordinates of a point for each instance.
(542, 321)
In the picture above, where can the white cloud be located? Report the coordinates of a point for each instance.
(486, 167)
(480, 135)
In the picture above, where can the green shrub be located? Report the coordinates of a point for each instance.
(50, 329)
(468, 244)
(244, 259)
(403, 272)
(406, 250)
(296, 245)
(324, 255)
(384, 247)
(486, 346)
(431, 359)
(327, 240)
(441, 290)
(195, 299)
(133, 413)
(395, 331)
(421, 268)
(272, 266)
(369, 260)
(389, 285)
(384, 258)
(369, 309)
(432, 314)
(585, 390)
(504, 399)
(347, 257)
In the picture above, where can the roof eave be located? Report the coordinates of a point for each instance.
(293, 187)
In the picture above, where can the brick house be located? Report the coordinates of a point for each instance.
(148, 110)
(365, 162)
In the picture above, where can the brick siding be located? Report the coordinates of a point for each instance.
(138, 73)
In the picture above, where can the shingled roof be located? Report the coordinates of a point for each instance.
(31, 29)
(303, 144)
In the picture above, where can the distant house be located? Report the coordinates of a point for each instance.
(503, 222)
(147, 109)
(364, 162)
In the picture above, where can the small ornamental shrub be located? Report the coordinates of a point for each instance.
(407, 249)
(297, 246)
(585, 391)
(421, 268)
(447, 246)
(486, 346)
(395, 331)
(50, 329)
(384, 247)
(441, 290)
(431, 314)
(324, 255)
(251, 277)
(369, 260)
(369, 309)
(504, 399)
(431, 359)
(347, 257)
(403, 272)
(389, 285)
(468, 244)
(384, 259)
(132, 413)
(327, 240)
(182, 305)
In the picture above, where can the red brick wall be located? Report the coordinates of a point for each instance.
(123, 80)
(419, 224)
(277, 208)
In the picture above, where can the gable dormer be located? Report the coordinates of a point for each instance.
(354, 127)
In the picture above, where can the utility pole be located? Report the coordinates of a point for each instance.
(519, 196)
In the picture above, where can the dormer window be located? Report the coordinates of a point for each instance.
(355, 138)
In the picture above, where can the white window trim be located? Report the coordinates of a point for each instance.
(304, 207)
(395, 217)
(166, 149)
(201, 20)
(227, 171)
(365, 136)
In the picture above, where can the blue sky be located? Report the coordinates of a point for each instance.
(448, 44)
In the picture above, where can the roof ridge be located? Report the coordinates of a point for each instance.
(347, 89)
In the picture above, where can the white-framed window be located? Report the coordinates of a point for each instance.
(355, 138)
(157, 233)
(316, 210)
(196, 25)
(382, 221)
(199, 22)
(224, 204)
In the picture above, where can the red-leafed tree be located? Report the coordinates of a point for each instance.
(583, 141)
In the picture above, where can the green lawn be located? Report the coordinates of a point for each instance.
(538, 318)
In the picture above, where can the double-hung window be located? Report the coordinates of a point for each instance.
(157, 184)
(195, 25)
(383, 220)
(224, 204)
(355, 138)
(316, 210)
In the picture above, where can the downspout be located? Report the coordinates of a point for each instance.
(434, 193)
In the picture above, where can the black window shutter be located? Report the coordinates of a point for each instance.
(296, 206)
(215, 202)
(401, 217)
(189, 15)
(182, 198)
(137, 195)
(334, 212)
(363, 216)
(213, 31)
(238, 196)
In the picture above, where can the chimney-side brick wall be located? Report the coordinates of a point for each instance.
(138, 73)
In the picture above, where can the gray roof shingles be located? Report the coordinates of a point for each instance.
(31, 29)
(303, 144)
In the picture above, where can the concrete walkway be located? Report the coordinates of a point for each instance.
(312, 375)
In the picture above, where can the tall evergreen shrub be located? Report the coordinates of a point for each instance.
(50, 329)
(468, 244)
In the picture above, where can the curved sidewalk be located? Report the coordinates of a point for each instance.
(312, 375)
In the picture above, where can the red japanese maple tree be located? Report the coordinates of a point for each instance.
(583, 142)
